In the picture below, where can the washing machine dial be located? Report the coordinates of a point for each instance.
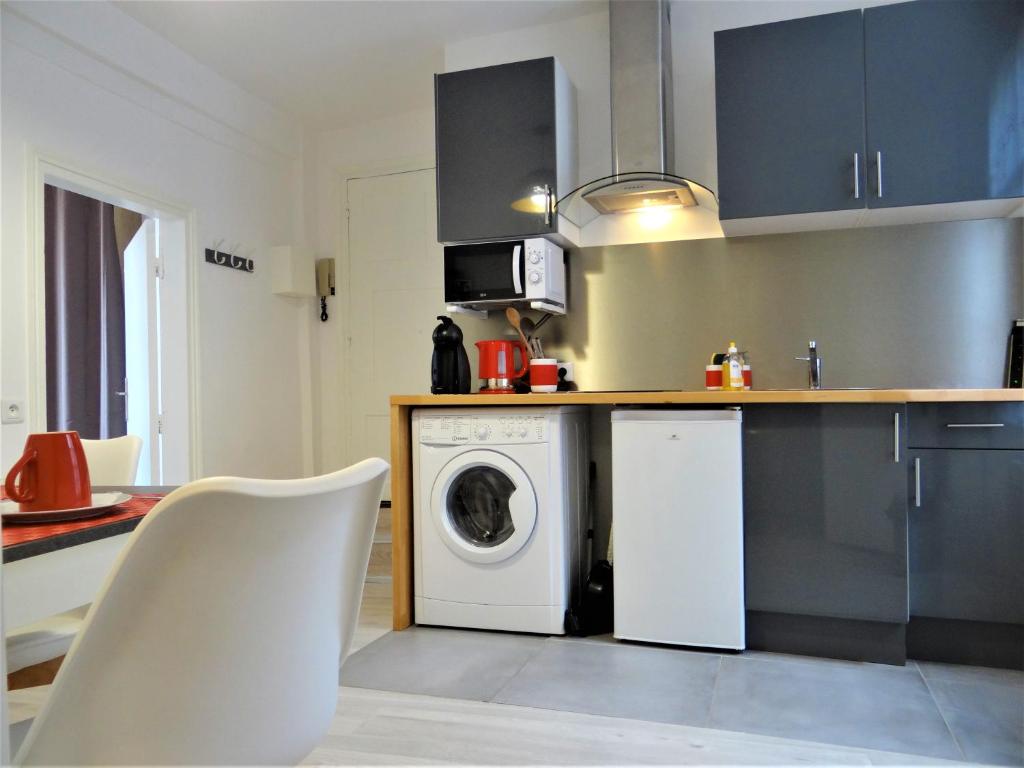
(523, 431)
(483, 432)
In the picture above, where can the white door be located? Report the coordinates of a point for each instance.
(172, 319)
(142, 337)
(156, 350)
(395, 293)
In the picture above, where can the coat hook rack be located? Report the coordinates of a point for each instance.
(230, 260)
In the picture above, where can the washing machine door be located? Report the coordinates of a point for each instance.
(484, 506)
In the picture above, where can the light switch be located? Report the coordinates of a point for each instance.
(12, 412)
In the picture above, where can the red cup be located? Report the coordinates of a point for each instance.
(52, 473)
(713, 377)
(544, 374)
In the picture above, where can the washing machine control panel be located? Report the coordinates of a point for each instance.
(483, 430)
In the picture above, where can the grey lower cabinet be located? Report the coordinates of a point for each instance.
(945, 115)
(966, 533)
(790, 115)
(825, 529)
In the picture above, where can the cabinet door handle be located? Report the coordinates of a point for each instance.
(856, 175)
(878, 166)
(896, 437)
(974, 426)
(917, 482)
(547, 205)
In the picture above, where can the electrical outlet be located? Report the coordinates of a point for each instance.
(12, 411)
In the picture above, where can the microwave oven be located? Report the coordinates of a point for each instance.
(481, 276)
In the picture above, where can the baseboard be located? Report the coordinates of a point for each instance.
(978, 643)
(851, 639)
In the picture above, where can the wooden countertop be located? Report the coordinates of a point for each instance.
(732, 398)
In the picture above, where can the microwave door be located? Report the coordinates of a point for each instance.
(484, 272)
(517, 269)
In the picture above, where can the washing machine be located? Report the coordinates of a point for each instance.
(499, 516)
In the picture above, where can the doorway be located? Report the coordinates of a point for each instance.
(115, 323)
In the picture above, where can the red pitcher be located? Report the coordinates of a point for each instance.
(497, 366)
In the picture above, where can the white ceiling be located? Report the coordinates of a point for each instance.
(330, 64)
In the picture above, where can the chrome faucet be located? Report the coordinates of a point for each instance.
(813, 365)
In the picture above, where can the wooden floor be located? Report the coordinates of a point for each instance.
(384, 728)
(374, 614)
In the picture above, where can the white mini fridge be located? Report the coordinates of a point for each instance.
(677, 527)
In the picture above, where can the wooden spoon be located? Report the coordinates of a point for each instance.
(512, 314)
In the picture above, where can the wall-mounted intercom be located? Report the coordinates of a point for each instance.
(324, 284)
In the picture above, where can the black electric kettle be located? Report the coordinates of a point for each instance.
(449, 366)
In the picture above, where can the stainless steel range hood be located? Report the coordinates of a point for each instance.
(643, 156)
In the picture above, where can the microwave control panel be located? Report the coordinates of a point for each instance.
(545, 270)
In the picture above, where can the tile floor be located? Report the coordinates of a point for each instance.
(933, 710)
(597, 702)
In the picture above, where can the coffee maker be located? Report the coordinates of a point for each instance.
(449, 365)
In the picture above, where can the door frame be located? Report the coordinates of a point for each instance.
(44, 168)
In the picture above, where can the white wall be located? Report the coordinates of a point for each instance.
(403, 142)
(85, 83)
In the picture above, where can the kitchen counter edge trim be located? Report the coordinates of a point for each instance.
(731, 398)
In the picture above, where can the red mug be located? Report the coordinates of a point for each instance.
(52, 473)
(544, 374)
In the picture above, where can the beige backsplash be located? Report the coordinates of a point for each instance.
(927, 305)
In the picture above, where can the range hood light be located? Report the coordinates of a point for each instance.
(632, 196)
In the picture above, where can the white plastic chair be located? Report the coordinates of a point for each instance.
(219, 635)
(114, 461)
(111, 462)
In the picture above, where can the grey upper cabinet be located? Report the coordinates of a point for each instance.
(502, 150)
(825, 510)
(927, 93)
(944, 84)
(790, 113)
(967, 535)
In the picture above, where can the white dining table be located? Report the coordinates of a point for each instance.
(59, 573)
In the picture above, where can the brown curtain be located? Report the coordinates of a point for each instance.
(85, 340)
